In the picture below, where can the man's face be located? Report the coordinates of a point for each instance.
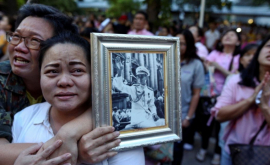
(141, 78)
(24, 61)
(139, 22)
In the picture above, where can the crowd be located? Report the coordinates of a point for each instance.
(232, 67)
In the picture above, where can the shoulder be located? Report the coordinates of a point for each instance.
(5, 67)
(33, 111)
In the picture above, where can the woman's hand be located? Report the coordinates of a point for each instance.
(96, 145)
(185, 123)
(29, 156)
(252, 98)
(265, 93)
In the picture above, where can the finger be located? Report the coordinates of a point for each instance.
(32, 150)
(48, 151)
(105, 156)
(100, 131)
(60, 159)
(104, 148)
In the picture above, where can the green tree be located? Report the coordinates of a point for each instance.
(118, 7)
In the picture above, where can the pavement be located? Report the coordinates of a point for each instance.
(189, 156)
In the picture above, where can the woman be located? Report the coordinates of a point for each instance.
(225, 60)
(192, 80)
(237, 103)
(65, 83)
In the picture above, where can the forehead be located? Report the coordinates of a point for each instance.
(193, 29)
(35, 26)
(139, 15)
(65, 52)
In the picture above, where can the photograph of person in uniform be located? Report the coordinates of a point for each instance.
(137, 90)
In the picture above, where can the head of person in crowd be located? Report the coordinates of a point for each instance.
(230, 41)
(258, 66)
(140, 20)
(65, 74)
(197, 33)
(246, 56)
(7, 23)
(187, 46)
(35, 23)
(164, 31)
(142, 74)
(212, 26)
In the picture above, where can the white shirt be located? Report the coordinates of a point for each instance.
(31, 125)
(211, 38)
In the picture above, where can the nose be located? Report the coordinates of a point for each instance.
(21, 47)
(65, 80)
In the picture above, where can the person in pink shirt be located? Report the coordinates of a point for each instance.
(197, 33)
(237, 103)
(139, 22)
(225, 59)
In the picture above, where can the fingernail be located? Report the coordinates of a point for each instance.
(116, 133)
(118, 140)
(67, 164)
(67, 155)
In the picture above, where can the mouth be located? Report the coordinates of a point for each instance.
(21, 60)
(65, 96)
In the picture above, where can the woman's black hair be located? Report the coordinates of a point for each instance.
(190, 46)
(243, 52)
(237, 50)
(252, 71)
(63, 38)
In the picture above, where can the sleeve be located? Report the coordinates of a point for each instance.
(227, 96)
(130, 157)
(5, 118)
(212, 56)
(198, 76)
(16, 127)
(152, 105)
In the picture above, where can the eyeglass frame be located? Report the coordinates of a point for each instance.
(25, 39)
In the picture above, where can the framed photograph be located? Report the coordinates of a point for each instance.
(136, 87)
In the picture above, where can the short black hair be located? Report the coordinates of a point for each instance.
(57, 19)
(63, 38)
(143, 13)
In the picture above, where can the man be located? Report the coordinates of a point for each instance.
(211, 36)
(143, 109)
(197, 33)
(20, 87)
(139, 23)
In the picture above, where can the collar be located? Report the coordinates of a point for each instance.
(43, 114)
(13, 82)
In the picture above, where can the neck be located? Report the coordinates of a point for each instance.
(33, 87)
(262, 71)
(137, 30)
(59, 118)
(228, 49)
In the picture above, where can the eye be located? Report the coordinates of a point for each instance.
(51, 72)
(78, 70)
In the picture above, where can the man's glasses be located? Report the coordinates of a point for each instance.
(30, 42)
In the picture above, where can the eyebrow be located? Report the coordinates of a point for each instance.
(76, 62)
(52, 65)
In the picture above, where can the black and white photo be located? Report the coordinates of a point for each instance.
(137, 90)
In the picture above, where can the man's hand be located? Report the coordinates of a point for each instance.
(96, 145)
(27, 157)
(185, 123)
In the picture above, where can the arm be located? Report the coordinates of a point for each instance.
(220, 68)
(193, 105)
(264, 106)
(233, 110)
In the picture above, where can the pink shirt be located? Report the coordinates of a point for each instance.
(141, 32)
(243, 129)
(201, 50)
(224, 61)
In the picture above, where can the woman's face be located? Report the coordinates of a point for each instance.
(264, 56)
(183, 46)
(247, 57)
(230, 39)
(65, 77)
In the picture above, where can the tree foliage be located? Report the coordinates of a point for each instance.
(118, 7)
(195, 4)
